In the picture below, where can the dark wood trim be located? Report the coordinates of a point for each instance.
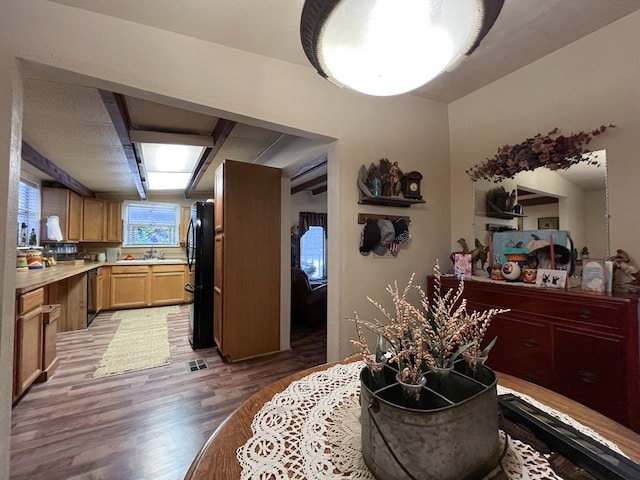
(389, 201)
(117, 108)
(546, 200)
(363, 217)
(319, 190)
(220, 134)
(312, 165)
(311, 183)
(42, 163)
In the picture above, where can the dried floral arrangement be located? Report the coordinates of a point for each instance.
(430, 336)
(553, 151)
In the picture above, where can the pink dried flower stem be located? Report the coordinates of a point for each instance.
(437, 333)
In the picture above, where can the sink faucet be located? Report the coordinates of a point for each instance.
(149, 254)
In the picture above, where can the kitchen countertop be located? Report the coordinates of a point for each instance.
(36, 278)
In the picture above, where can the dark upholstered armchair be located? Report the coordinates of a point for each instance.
(308, 305)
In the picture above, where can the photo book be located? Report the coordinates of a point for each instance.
(462, 265)
(597, 275)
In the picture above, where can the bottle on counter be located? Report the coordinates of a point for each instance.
(33, 238)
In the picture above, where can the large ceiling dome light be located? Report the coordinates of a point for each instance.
(388, 47)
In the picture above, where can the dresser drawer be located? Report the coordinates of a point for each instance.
(523, 348)
(610, 316)
(30, 300)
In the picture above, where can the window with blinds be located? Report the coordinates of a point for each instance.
(313, 253)
(28, 214)
(151, 223)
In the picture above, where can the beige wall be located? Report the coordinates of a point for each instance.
(10, 137)
(80, 47)
(591, 82)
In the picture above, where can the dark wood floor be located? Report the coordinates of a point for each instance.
(141, 425)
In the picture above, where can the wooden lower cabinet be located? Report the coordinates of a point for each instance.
(71, 294)
(50, 315)
(134, 286)
(582, 345)
(27, 341)
(129, 287)
(103, 289)
(167, 284)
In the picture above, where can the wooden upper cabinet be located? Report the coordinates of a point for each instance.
(185, 217)
(114, 222)
(75, 217)
(218, 195)
(94, 224)
(67, 206)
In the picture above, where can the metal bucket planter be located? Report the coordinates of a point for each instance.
(449, 433)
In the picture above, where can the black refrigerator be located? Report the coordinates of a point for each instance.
(199, 246)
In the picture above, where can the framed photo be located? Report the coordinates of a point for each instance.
(595, 275)
(462, 265)
(551, 278)
(545, 223)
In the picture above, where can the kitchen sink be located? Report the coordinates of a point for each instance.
(151, 260)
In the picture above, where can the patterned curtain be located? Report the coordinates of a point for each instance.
(311, 219)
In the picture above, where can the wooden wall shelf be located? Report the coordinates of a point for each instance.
(363, 217)
(389, 201)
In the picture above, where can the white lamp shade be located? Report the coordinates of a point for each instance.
(389, 47)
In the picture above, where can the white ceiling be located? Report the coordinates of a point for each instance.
(71, 127)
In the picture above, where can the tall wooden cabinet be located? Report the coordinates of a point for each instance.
(247, 260)
(582, 345)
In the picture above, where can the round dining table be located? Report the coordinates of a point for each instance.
(217, 458)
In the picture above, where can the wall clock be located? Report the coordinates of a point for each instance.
(410, 184)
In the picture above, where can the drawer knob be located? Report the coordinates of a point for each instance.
(530, 343)
(588, 377)
(585, 313)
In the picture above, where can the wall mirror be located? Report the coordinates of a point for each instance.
(574, 199)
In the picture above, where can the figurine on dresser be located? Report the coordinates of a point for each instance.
(622, 261)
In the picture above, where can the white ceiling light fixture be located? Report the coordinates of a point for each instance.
(389, 47)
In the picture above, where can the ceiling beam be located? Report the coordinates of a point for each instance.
(318, 190)
(220, 134)
(42, 163)
(307, 185)
(117, 109)
(310, 166)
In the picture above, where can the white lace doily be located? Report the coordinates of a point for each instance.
(311, 430)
